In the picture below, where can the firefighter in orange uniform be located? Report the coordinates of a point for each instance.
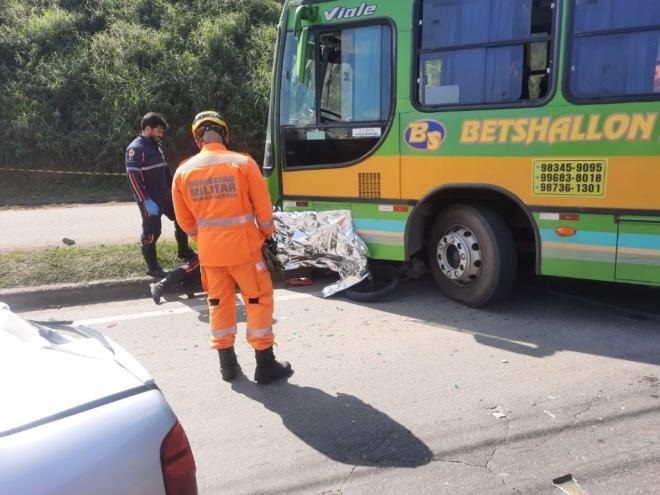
(222, 202)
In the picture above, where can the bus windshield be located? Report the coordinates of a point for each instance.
(336, 106)
(353, 75)
(297, 106)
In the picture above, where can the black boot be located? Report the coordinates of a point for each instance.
(184, 251)
(153, 268)
(229, 367)
(157, 290)
(268, 368)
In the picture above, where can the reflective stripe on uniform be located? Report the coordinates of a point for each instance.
(191, 232)
(260, 332)
(207, 159)
(133, 169)
(265, 225)
(225, 222)
(224, 332)
(162, 164)
(261, 266)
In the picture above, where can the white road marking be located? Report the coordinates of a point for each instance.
(134, 316)
(175, 311)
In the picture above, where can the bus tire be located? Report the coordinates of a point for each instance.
(472, 255)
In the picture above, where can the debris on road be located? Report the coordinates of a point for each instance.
(568, 485)
(496, 412)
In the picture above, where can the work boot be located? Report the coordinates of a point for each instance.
(268, 368)
(183, 249)
(157, 290)
(185, 253)
(174, 277)
(229, 367)
(153, 268)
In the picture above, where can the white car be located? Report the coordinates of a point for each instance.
(79, 415)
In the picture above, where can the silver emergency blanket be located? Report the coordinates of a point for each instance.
(322, 240)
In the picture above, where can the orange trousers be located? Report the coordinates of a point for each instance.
(256, 288)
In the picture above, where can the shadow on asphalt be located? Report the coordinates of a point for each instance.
(342, 427)
(543, 316)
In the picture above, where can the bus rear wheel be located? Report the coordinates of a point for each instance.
(472, 255)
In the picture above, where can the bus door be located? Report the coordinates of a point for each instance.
(335, 111)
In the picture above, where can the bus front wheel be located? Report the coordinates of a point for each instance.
(472, 255)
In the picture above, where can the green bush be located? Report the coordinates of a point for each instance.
(77, 75)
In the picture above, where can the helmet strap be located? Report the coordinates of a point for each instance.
(219, 131)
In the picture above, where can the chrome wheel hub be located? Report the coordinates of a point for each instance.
(459, 255)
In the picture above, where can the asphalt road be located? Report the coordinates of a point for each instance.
(87, 225)
(415, 394)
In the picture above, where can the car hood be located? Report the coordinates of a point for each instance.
(50, 368)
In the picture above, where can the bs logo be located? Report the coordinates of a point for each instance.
(425, 135)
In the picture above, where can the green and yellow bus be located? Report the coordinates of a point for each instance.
(473, 135)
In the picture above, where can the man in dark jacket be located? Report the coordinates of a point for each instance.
(151, 181)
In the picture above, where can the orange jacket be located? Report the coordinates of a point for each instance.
(222, 202)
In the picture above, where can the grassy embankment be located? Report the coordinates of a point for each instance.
(71, 264)
(78, 264)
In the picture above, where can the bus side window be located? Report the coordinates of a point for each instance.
(484, 51)
(615, 49)
(537, 75)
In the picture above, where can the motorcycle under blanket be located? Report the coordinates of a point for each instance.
(323, 239)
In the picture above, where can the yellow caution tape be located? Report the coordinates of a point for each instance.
(69, 172)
